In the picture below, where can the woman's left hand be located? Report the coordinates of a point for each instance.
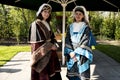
(54, 47)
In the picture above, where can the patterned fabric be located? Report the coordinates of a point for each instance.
(79, 43)
(50, 72)
(52, 68)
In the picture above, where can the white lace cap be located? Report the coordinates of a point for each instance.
(84, 10)
(41, 7)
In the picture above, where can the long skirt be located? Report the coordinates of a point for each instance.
(51, 71)
(73, 73)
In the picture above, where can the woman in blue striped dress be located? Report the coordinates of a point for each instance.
(78, 42)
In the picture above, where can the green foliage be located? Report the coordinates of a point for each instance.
(117, 31)
(53, 22)
(104, 24)
(108, 28)
(96, 22)
(15, 22)
(56, 21)
(5, 31)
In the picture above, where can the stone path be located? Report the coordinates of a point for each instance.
(102, 68)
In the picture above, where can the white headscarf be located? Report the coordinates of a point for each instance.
(41, 7)
(84, 10)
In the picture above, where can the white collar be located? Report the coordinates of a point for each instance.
(77, 26)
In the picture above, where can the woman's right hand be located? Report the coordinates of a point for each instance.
(42, 51)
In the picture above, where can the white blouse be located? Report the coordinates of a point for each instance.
(77, 26)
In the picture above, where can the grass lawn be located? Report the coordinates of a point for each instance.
(110, 50)
(7, 52)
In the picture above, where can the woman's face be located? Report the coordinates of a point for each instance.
(78, 16)
(45, 14)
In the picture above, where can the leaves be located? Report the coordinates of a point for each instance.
(15, 22)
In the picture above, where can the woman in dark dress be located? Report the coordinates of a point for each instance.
(44, 60)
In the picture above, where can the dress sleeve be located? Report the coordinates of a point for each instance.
(87, 40)
(68, 43)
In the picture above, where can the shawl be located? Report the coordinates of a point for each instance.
(40, 33)
(83, 47)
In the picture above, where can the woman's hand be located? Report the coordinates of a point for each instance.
(72, 55)
(54, 47)
(42, 51)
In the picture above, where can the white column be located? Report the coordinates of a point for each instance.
(63, 4)
(63, 33)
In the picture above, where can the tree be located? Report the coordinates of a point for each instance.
(96, 20)
(117, 30)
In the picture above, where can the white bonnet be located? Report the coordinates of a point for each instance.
(82, 8)
(41, 7)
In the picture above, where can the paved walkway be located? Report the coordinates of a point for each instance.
(102, 68)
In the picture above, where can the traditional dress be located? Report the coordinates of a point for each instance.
(79, 40)
(46, 67)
